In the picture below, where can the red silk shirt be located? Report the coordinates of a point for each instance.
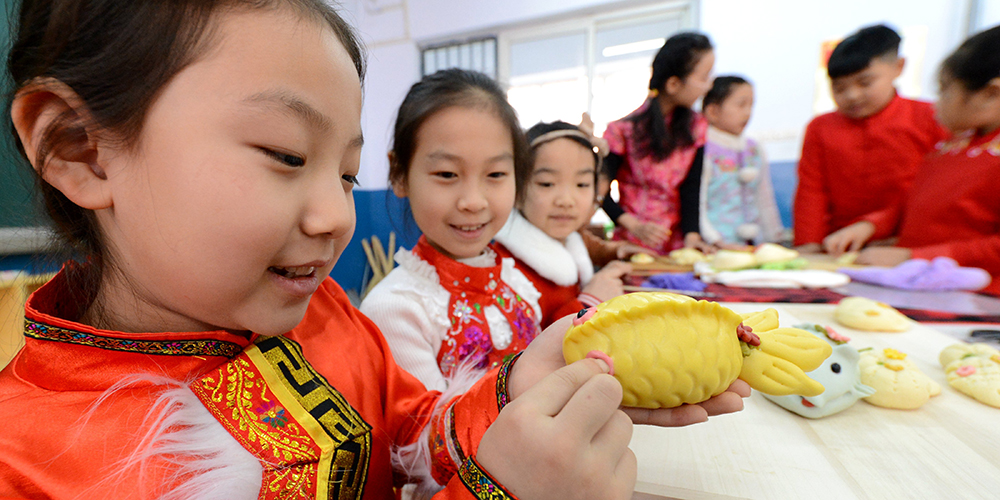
(63, 436)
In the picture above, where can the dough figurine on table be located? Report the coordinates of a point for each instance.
(973, 369)
(839, 374)
(668, 350)
(642, 258)
(897, 381)
(687, 256)
(871, 316)
(732, 260)
(770, 253)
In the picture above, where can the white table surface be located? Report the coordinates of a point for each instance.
(948, 448)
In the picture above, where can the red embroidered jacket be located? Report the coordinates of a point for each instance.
(321, 407)
(953, 209)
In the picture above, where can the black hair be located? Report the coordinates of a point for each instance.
(445, 89)
(678, 57)
(855, 53)
(722, 88)
(976, 61)
(117, 56)
(541, 128)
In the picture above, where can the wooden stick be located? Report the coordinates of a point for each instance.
(689, 293)
(392, 248)
(368, 252)
(380, 253)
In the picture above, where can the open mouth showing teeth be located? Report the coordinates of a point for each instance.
(293, 272)
(469, 228)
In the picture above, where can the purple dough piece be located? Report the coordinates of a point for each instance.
(675, 281)
(941, 274)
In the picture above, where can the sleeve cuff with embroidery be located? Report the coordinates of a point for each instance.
(457, 429)
(480, 483)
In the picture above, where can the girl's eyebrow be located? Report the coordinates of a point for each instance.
(291, 104)
(444, 155)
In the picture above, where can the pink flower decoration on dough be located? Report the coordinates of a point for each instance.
(836, 337)
(965, 370)
(746, 334)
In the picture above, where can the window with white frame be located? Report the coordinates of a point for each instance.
(476, 55)
(599, 64)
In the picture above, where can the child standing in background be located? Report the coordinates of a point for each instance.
(200, 159)
(460, 157)
(863, 156)
(727, 199)
(653, 147)
(542, 234)
(953, 209)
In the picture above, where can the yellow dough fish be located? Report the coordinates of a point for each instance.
(668, 349)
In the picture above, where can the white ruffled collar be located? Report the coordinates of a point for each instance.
(563, 264)
(725, 139)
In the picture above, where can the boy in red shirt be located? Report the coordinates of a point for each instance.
(953, 209)
(862, 157)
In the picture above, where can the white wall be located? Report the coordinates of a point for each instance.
(392, 30)
(988, 14)
(775, 43)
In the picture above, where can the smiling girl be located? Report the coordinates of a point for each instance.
(542, 233)
(199, 157)
(458, 156)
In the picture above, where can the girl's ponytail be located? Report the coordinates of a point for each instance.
(678, 57)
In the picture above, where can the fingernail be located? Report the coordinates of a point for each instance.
(609, 365)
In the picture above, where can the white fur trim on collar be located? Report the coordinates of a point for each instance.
(564, 265)
(211, 464)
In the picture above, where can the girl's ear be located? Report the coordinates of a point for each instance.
(673, 85)
(992, 91)
(711, 112)
(70, 160)
(398, 187)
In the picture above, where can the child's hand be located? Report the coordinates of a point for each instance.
(569, 426)
(693, 240)
(651, 234)
(627, 250)
(849, 239)
(809, 248)
(607, 283)
(544, 356)
(884, 256)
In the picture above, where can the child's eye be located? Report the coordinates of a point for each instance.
(445, 175)
(285, 158)
(497, 175)
(350, 179)
(583, 185)
(545, 184)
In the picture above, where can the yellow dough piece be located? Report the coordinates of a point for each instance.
(769, 252)
(687, 256)
(642, 258)
(670, 349)
(973, 369)
(868, 315)
(897, 381)
(731, 260)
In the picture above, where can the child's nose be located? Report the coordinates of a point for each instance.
(565, 199)
(329, 212)
(472, 199)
